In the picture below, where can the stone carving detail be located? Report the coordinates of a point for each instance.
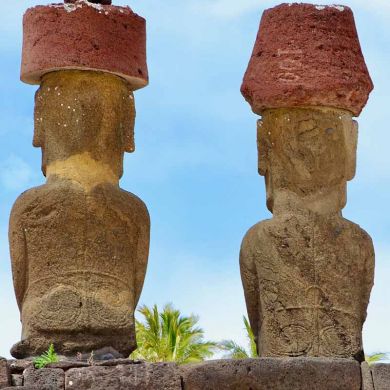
(79, 243)
(307, 272)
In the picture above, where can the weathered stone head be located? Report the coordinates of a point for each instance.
(84, 115)
(307, 78)
(307, 151)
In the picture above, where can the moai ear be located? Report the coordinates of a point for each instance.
(351, 137)
(262, 148)
(38, 121)
(129, 122)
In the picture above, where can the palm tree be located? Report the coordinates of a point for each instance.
(236, 351)
(170, 337)
(375, 358)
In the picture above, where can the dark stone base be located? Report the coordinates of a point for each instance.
(121, 345)
(247, 374)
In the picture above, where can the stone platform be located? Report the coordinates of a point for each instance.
(248, 374)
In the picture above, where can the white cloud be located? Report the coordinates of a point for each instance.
(15, 173)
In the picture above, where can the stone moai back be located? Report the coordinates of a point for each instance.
(79, 243)
(307, 272)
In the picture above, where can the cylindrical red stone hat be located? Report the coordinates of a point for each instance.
(307, 55)
(87, 36)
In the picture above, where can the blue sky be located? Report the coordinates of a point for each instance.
(195, 164)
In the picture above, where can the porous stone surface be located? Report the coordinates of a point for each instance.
(381, 376)
(307, 272)
(67, 364)
(17, 380)
(273, 373)
(245, 374)
(146, 376)
(117, 362)
(307, 55)
(367, 383)
(85, 36)
(104, 2)
(18, 366)
(79, 243)
(47, 379)
(5, 378)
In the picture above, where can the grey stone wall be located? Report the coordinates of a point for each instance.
(247, 374)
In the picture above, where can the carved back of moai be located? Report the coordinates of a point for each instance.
(79, 243)
(307, 272)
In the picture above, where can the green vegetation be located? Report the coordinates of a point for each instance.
(375, 358)
(168, 336)
(48, 357)
(236, 351)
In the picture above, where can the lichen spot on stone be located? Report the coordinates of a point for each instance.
(322, 7)
(338, 7)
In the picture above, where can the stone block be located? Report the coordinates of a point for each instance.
(145, 376)
(273, 373)
(18, 366)
(17, 380)
(4, 373)
(381, 376)
(367, 383)
(117, 362)
(44, 378)
(67, 364)
(22, 388)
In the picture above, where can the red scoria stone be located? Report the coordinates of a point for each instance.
(307, 55)
(104, 2)
(83, 35)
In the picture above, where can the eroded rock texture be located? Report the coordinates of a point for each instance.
(83, 35)
(307, 55)
(79, 243)
(307, 272)
(273, 374)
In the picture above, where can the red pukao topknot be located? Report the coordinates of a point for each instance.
(307, 55)
(87, 36)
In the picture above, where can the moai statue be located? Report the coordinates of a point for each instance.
(79, 243)
(307, 272)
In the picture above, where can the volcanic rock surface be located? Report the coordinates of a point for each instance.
(86, 36)
(307, 55)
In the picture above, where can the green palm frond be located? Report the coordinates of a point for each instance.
(251, 337)
(236, 351)
(169, 336)
(374, 358)
(48, 357)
